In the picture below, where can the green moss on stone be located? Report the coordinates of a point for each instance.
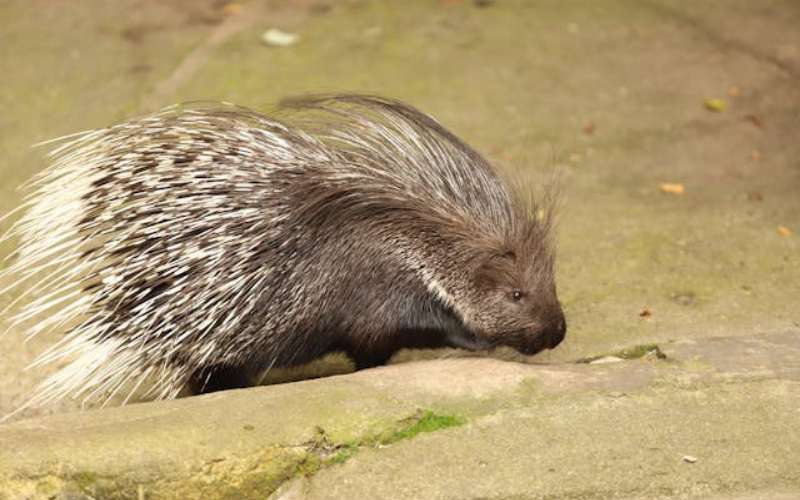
(422, 421)
(343, 454)
(425, 421)
(641, 351)
(85, 481)
(256, 480)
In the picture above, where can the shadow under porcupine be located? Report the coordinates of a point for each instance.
(207, 242)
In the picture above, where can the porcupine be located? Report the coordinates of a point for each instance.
(207, 242)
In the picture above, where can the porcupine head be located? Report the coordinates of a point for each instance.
(212, 239)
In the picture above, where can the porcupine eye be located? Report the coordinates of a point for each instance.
(517, 295)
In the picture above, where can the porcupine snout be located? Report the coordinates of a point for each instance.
(556, 329)
(548, 333)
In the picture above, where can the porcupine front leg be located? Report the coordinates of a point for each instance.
(219, 378)
(370, 359)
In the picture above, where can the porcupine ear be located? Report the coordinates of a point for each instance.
(495, 261)
(503, 254)
(497, 268)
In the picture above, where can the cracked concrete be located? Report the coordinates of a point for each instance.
(608, 94)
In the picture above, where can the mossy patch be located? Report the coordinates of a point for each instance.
(87, 484)
(322, 451)
(85, 480)
(422, 421)
(646, 351)
(251, 479)
(425, 421)
(343, 454)
(641, 351)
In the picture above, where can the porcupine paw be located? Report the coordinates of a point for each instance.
(218, 378)
(365, 360)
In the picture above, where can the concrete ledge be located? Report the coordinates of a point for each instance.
(249, 443)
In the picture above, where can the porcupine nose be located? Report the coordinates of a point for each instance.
(557, 331)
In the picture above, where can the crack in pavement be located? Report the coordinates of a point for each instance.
(195, 60)
(724, 43)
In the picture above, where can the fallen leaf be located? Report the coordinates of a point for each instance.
(755, 155)
(672, 188)
(646, 312)
(734, 91)
(588, 128)
(689, 459)
(232, 8)
(755, 196)
(717, 105)
(756, 121)
(784, 231)
(277, 38)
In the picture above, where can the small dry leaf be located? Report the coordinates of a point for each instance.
(277, 38)
(232, 8)
(689, 459)
(755, 155)
(645, 313)
(784, 231)
(756, 121)
(755, 196)
(734, 91)
(588, 128)
(717, 105)
(672, 187)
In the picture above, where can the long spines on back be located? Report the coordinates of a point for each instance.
(402, 149)
(155, 239)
